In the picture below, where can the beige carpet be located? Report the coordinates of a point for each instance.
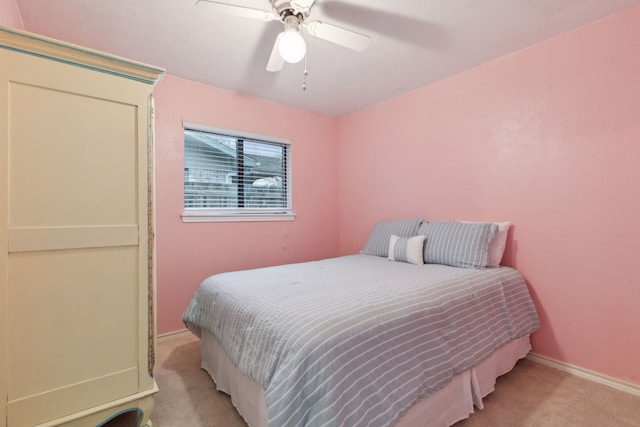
(531, 395)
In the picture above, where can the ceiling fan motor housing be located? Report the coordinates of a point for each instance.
(284, 9)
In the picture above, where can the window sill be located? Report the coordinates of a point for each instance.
(208, 216)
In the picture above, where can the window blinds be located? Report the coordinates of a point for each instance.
(235, 174)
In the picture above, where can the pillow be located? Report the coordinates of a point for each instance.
(378, 243)
(406, 249)
(496, 248)
(457, 244)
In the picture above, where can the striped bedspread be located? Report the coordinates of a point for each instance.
(356, 340)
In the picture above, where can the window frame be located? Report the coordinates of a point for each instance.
(239, 214)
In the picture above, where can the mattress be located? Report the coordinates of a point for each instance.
(452, 403)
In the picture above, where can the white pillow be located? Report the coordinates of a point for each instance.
(406, 249)
(497, 245)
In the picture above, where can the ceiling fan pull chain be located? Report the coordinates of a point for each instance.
(306, 73)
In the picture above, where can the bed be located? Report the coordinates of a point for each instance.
(366, 339)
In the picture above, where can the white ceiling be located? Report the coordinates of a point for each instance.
(413, 42)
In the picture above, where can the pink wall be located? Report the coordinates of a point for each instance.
(548, 138)
(188, 253)
(10, 15)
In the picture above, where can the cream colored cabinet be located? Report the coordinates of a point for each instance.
(76, 279)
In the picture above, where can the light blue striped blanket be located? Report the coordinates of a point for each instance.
(356, 340)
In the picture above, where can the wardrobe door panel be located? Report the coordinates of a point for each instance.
(70, 166)
(77, 238)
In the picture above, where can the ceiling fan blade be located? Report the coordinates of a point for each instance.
(302, 6)
(276, 62)
(343, 37)
(244, 12)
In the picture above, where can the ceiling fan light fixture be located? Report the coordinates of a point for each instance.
(291, 46)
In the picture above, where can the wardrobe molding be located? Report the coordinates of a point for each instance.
(34, 44)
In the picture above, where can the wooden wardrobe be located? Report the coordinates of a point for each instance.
(76, 219)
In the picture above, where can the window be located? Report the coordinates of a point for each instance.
(234, 177)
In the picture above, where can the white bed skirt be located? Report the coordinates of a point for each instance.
(447, 406)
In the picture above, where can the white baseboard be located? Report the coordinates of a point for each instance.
(586, 374)
(173, 335)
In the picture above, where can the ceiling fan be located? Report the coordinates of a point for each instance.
(289, 45)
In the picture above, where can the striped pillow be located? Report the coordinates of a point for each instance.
(498, 243)
(406, 249)
(378, 243)
(457, 244)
